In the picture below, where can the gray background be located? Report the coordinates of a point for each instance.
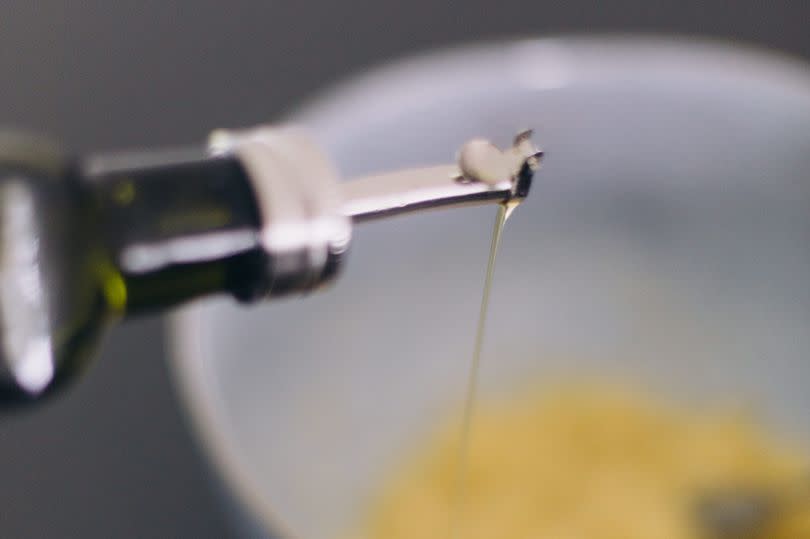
(112, 457)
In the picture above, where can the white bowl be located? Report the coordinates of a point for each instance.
(667, 238)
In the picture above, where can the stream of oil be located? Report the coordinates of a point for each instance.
(458, 491)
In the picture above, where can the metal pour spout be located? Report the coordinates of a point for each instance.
(483, 174)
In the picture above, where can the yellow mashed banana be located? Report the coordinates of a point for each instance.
(586, 462)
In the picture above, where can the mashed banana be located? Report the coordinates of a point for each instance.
(595, 462)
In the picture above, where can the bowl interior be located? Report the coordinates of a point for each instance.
(666, 240)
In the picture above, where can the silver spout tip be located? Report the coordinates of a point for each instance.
(482, 174)
(481, 161)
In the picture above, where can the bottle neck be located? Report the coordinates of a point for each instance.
(175, 226)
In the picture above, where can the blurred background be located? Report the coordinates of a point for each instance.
(112, 457)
